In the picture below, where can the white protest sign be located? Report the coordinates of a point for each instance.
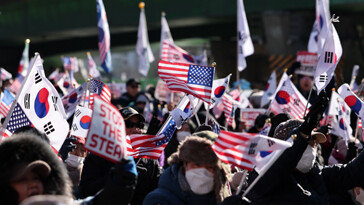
(249, 115)
(106, 136)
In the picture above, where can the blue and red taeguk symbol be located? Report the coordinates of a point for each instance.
(282, 97)
(353, 102)
(341, 124)
(219, 91)
(41, 105)
(85, 122)
(73, 98)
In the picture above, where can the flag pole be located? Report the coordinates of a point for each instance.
(308, 100)
(208, 106)
(15, 101)
(245, 172)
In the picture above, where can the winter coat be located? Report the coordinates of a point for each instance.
(95, 170)
(124, 100)
(170, 190)
(282, 184)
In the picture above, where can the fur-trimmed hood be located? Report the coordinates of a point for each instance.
(24, 148)
(198, 150)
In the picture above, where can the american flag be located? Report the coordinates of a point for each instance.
(227, 101)
(191, 79)
(104, 37)
(99, 88)
(16, 85)
(70, 63)
(173, 53)
(151, 146)
(245, 150)
(289, 100)
(17, 120)
(6, 102)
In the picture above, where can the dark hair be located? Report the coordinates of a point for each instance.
(34, 131)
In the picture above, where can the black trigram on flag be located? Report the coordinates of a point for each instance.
(38, 79)
(54, 100)
(27, 101)
(328, 57)
(74, 127)
(323, 78)
(252, 148)
(48, 128)
(77, 113)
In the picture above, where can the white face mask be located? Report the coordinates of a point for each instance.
(307, 160)
(200, 180)
(74, 161)
(181, 135)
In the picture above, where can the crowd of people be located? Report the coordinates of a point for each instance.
(320, 168)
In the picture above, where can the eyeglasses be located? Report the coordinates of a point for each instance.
(129, 124)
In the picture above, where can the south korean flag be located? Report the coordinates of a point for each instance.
(81, 121)
(42, 105)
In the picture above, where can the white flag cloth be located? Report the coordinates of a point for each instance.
(4, 74)
(328, 59)
(71, 100)
(143, 47)
(269, 89)
(166, 35)
(92, 68)
(281, 81)
(353, 84)
(41, 104)
(320, 26)
(81, 121)
(341, 124)
(352, 100)
(54, 74)
(219, 88)
(289, 100)
(245, 44)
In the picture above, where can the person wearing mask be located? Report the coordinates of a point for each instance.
(128, 98)
(96, 169)
(196, 176)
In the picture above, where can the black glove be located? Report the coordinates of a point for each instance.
(315, 114)
(67, 146)
(324, 129)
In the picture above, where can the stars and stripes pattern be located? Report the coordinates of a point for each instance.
(16, 85)
(245, 150)
(227, 101)
(150, 146)
(289, 100)
(99, 88)
(6, 101)
(171, 52)
(191, 79)
(70, 63)
(104, 37)
(17, 120)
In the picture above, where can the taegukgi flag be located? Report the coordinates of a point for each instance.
(38, 103)
(245, 44)
(143, 47)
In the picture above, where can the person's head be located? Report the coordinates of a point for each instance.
(29, 167)
(132, 87)
(184, 132)
(276, 120)
(29, 179)
(140, 102)
(201, 167)
(305, 82)
(260, 121)
(134, 122)
(307, 161)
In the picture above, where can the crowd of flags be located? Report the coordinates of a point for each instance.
(32, 100)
